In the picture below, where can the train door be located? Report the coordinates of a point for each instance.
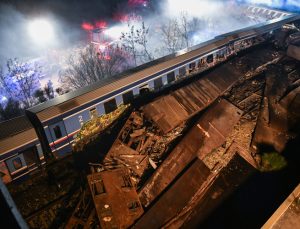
(58, 135)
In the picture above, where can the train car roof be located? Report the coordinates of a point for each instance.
(86, 95)
(17, 142)
(14, 126)
(15, 133)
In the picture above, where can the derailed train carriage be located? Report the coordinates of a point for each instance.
(56, 122)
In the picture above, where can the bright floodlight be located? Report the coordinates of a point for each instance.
(41, 31)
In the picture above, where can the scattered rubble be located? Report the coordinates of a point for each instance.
(139, 145)
(209, 132)
(279, 108)
(91, 129)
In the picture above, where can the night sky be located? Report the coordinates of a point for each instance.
(73, 11)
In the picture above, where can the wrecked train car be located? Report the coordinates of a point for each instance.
(56, 122)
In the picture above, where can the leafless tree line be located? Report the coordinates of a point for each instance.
(90, 65)
(135, 42)
(177, 32)
(174, 33)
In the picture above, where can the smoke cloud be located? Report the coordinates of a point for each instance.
(16, 40)
(288, 5)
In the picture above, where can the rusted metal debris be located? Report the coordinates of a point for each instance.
(207, 134)
(197, 189)
(139, 145)
(176, 197)
(276, 115)
(217, 186)
(115, 198)
(172, 110)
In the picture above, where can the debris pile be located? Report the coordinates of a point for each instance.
(278, 121)
(90, 130)
(140, 144)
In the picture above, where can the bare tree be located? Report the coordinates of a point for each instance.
(171, 36)
(129, 40)
(90, 65)
(135, 42)
(177, 32)
(184, 28)
(142, 39)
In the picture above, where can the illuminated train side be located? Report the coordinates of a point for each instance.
(57, 121)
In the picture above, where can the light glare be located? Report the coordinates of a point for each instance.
(41, 31)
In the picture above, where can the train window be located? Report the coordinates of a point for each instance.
(110, 106)
(158, 83)
(144, 89)
(201, 63)
(128, 97)
(30, 156)
(171, 77)
(57, 132)
(17, 163)
(93, 113)
(182, 71)
(210, 59)
(192, 65)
